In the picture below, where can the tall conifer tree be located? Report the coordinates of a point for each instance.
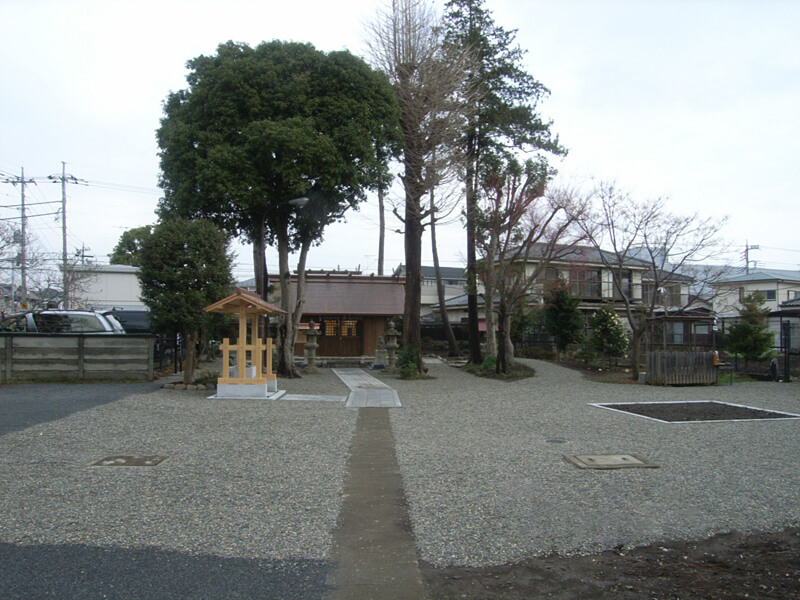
(505, 119)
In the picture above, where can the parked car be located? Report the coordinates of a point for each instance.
(132, 320)
(61, 321)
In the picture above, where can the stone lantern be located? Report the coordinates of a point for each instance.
(391, 334)
(311, 348)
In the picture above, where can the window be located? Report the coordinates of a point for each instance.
(585, 283)
(67, 323)
(674, 333)
(331, 328)
(349, 328)
(769, 294)
(625, 282)
(14, 324)
(669, 295)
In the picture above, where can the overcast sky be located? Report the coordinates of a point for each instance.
(697, 101)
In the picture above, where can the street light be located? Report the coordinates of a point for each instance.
(298, 202)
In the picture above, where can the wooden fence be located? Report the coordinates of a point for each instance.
(681, 368)
(36, 356)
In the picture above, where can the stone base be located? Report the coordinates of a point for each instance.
(265, 391)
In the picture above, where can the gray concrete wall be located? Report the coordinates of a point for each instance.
(37, 357)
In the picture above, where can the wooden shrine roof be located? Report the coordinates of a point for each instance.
(241, 298)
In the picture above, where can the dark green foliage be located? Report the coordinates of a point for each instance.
(751, 337)
(562, 319)
(185, 266)
(525, 322)
(505, 121)
(507, 114)
(407, 361)
(608, 334)
(260, 126)
(126, 252)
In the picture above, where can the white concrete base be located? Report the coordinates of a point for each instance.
(263, 391)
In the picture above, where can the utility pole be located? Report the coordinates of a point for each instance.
(64, 179)
(747, 248)
(23, 235)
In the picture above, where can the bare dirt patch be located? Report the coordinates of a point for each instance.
(757, 565)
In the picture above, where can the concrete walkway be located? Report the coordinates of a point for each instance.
(374, 550)
(366, 391)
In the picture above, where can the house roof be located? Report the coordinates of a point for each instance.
(791, 303)
(430, 272)
(585, 255)
(252, 303)
(763, 275)
(352, 295)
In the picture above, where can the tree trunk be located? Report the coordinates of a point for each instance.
(382, 229)
(188, 364)
(261, 274)
(412, 336)
(636, 343)
(488, 300)
(472, 258)
(285, 341)
(502, 366)
(508, 345)
(448, 330)
(300, 295)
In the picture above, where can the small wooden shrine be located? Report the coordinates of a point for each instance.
(250, 375)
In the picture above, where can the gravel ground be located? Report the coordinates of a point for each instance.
(251, 491)
(253, 480)
(487, 484)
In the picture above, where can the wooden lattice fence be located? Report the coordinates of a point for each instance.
(681, 368)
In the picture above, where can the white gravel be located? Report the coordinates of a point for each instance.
(245, 478)
(487, 484)
(482, 463)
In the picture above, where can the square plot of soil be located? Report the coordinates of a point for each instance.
(696, 411)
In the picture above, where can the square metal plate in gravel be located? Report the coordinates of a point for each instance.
(126, 460)
(696, 411)
(609, 461)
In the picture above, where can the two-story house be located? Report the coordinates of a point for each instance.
(592, 275)
(777, 286)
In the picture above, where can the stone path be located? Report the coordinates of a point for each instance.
(373, 547)
(366, 391)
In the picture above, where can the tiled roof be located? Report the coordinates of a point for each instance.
(353, 295)
(430, 272)
(791, 303)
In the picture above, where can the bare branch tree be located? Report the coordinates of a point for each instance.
(405, 42)
(528, 227)
(672, 248)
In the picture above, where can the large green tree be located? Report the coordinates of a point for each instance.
(562, 318)
(608, 334)
(258, 127)
(126, 252)
(184, 266)
(751, 336)
(505, 118)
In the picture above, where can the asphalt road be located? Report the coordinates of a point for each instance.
(25, 405)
